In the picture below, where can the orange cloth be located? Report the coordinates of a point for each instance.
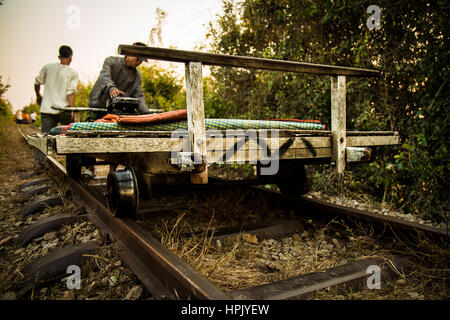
(109, 118)
(26, 117)
(170, 116)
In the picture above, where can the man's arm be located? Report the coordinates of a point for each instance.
(40, 79)
(72, 88)
(37, 89)
(106, 80)
(71, 99)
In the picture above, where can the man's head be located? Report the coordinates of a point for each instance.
(65, 55)
(134, 62)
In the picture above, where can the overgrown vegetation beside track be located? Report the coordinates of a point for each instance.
(411, 96)
(5, 106)
(9, 137)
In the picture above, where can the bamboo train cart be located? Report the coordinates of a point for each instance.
(154, 158)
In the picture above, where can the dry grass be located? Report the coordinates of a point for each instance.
(12, 142)
(428, 278)
(237, 262)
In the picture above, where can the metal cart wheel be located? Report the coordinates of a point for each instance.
(73, 165)
(122, 194)
(294, 178)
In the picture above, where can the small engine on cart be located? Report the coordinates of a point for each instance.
(122, 105)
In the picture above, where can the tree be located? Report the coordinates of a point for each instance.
(3, 88)
(162, 89)
(5, 106)
(82, 97)
(155, 36)
(410, 96)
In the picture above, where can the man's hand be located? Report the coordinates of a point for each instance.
(115, 92)
(39, 99)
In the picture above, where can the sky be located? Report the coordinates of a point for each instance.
(31, 31)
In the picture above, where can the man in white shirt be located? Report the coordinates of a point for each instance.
(60, 82)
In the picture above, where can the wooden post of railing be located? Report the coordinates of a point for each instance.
(338, 118)
(196, 118)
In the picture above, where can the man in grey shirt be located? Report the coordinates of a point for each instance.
(118, 76)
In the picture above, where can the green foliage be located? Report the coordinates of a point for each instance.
(215, 105)
(410, 96)
(5, 106)
(32, 107)
(82, 97)
(3, 88)
(162, 89)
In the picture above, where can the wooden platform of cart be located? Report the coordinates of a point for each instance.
(150, 151)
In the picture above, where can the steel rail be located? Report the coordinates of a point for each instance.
(381, 220)
(323, 208)
(328, 209)
(155, 265)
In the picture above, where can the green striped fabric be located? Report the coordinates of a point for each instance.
(210, 124)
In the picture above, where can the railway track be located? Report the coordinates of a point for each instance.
(167, 276)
